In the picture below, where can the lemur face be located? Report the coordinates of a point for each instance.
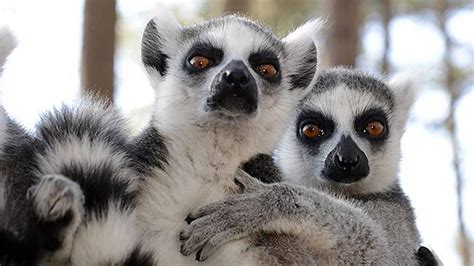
(347, 132)
(229, 72)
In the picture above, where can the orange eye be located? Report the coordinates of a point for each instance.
(267, 70)
(374, 129)
(312, 131)
(199, 62)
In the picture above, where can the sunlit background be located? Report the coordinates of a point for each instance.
(377, 36)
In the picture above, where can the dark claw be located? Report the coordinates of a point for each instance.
(189, 220)
(198, 255)
(181, 249)
(181, 236)
(240, 185)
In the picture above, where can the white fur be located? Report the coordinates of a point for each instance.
(106, 240)
(84, 153)
(200, 170)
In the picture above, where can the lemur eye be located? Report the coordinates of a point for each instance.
(374, 129)
(268, 71)
(199, 62)
(312, 131)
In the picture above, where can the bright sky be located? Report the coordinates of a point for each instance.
(44, 72)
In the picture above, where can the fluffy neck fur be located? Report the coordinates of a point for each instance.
(212, 143)
(199, 169)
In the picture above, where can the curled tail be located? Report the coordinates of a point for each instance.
(73, 190)
(88, 144)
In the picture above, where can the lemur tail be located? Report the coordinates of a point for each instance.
(88, 144)
(7, 44)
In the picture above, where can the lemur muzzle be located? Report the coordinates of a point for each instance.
(236, 91)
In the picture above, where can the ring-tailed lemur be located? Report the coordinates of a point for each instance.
(219, 102)
(346, 144)
(225, 91)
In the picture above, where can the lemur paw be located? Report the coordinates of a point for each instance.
(213, 225)
(54, 196)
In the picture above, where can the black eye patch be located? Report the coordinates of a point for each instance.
(325, 123)
(368, 116)
(264, 57)
(204, 49)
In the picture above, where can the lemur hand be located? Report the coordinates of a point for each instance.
(217, 223)
(236, 217)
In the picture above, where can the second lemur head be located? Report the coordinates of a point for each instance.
(229, 74)
(348, 131)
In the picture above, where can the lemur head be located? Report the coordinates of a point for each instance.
(347, 133)
(227, 74)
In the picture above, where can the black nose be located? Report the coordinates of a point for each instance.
(236, 76)
(347, 163)
(234, 90)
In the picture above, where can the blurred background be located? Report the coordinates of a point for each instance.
(67, 47)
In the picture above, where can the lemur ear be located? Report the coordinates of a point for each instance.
(158, 42)
(302, 53)
(405, 87)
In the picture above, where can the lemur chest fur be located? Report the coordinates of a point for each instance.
(193, 177)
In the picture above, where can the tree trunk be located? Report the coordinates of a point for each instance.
(386, 17)
(98, 47)
(343, 35)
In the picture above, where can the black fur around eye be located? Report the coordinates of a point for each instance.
(212, 55)
(313, 126)
(372, 125)
(266, 60)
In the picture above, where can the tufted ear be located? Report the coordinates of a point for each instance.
(406, 86)
(302, 53)
(158, 42)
